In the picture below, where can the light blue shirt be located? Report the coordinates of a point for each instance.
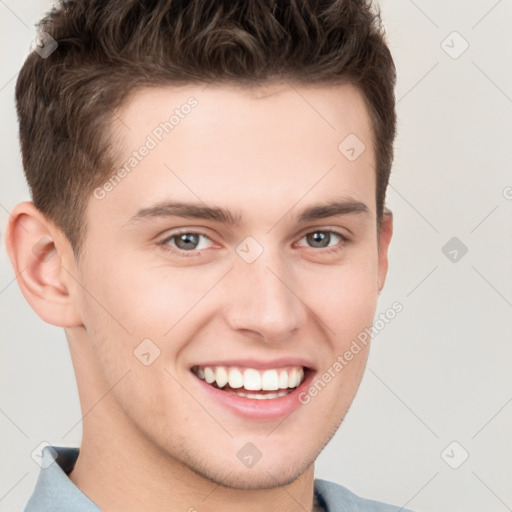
(55, 492)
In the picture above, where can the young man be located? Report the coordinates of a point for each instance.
(208, 226)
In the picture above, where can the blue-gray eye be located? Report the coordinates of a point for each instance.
(186, 241)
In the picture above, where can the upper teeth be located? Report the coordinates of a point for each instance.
(250, 378)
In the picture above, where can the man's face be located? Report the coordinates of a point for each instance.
(169, 301)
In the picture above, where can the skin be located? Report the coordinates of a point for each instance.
(152, 439)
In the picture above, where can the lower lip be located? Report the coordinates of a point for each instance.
(264, 409)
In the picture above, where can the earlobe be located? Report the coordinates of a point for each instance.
(37, 260)
(385, 234)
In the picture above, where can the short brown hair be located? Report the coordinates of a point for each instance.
(109, 48)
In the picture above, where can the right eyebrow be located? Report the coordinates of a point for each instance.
(188, 210)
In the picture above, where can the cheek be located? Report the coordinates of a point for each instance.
(144, 300)
(127, 303)
(345, 296)
(126, 316)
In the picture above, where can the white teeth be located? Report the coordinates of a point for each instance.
(252, 380)
(236, 379)
(281, 380)
(293, 378)
(270, 381)
(209, 375)
(221, 376)
(259, 396)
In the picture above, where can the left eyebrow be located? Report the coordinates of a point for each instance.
(218, 214)
(333, 209)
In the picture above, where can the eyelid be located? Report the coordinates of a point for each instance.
(344, 233)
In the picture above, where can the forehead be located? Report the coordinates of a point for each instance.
(241, 146)
(324, 107)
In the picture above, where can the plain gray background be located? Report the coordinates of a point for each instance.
(440, 372)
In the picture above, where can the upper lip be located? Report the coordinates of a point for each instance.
(260, 364)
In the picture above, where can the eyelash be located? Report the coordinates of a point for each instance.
(165, 245)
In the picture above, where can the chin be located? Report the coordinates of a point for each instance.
(259, 477)
(252, 479)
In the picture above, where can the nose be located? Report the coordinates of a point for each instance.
(262, 298)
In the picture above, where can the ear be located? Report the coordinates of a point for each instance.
(385, 233)
(38, 251)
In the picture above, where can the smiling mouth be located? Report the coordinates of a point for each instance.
(250, 382)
